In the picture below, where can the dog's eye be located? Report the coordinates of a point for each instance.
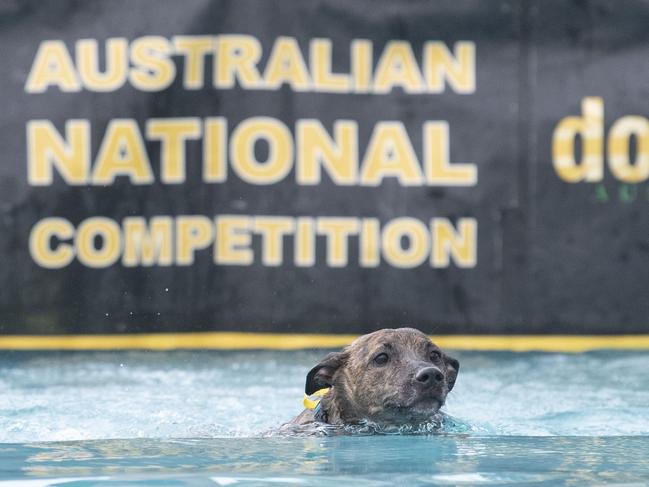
(435, 356)
(381, 359)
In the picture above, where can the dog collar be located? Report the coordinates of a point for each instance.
(313, 401)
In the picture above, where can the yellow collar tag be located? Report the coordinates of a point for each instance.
(312, 401)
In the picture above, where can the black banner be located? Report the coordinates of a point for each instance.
(465, 166)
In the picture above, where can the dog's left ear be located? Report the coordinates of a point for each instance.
(452, 368)
(321, 376)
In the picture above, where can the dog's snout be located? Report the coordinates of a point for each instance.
(429, 376)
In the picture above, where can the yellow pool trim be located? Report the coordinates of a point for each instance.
(281, 341)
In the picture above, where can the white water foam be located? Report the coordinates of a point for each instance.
(78, 396)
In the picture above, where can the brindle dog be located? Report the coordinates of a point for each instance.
(392, 376)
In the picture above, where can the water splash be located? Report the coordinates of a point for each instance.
(79, 396)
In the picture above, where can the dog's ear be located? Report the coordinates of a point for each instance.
(321, 375)
(452, 368)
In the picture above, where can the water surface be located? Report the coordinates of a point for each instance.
(203, 418)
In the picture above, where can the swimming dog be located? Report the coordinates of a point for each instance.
(392, 376)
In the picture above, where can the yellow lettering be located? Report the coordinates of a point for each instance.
(398, 67)
(618, 149)
(390, 153)
(591, 129)
(116, 72)
(147, 246)
(459, 70)
(361, 61)
(214, 150)
(122, 153)
(194, 49)
(323, 79)
(52, 67)
(46, 148)
(102, 230)
(316, 149)
(305, 242)
(460, 245)
(415, 233)
(237, 58)
(173, 133)
(233, 240)
(280, 150)
(153, 70)
(273, 230)
(286, 65)
(369, 255)
(337, 231)
(192, 233)
(40, 240)
(439, 171)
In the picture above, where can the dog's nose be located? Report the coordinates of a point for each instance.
(429, 376)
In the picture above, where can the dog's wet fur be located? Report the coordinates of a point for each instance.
(389, 377)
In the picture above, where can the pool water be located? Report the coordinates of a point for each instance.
(210, 418)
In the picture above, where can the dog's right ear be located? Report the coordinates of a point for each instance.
(452, 368)
(321, 376)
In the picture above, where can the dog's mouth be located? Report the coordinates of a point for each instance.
(417, 408)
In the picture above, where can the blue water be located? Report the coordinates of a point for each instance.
(210, 418)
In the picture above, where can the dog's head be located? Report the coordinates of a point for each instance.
(393, 376)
